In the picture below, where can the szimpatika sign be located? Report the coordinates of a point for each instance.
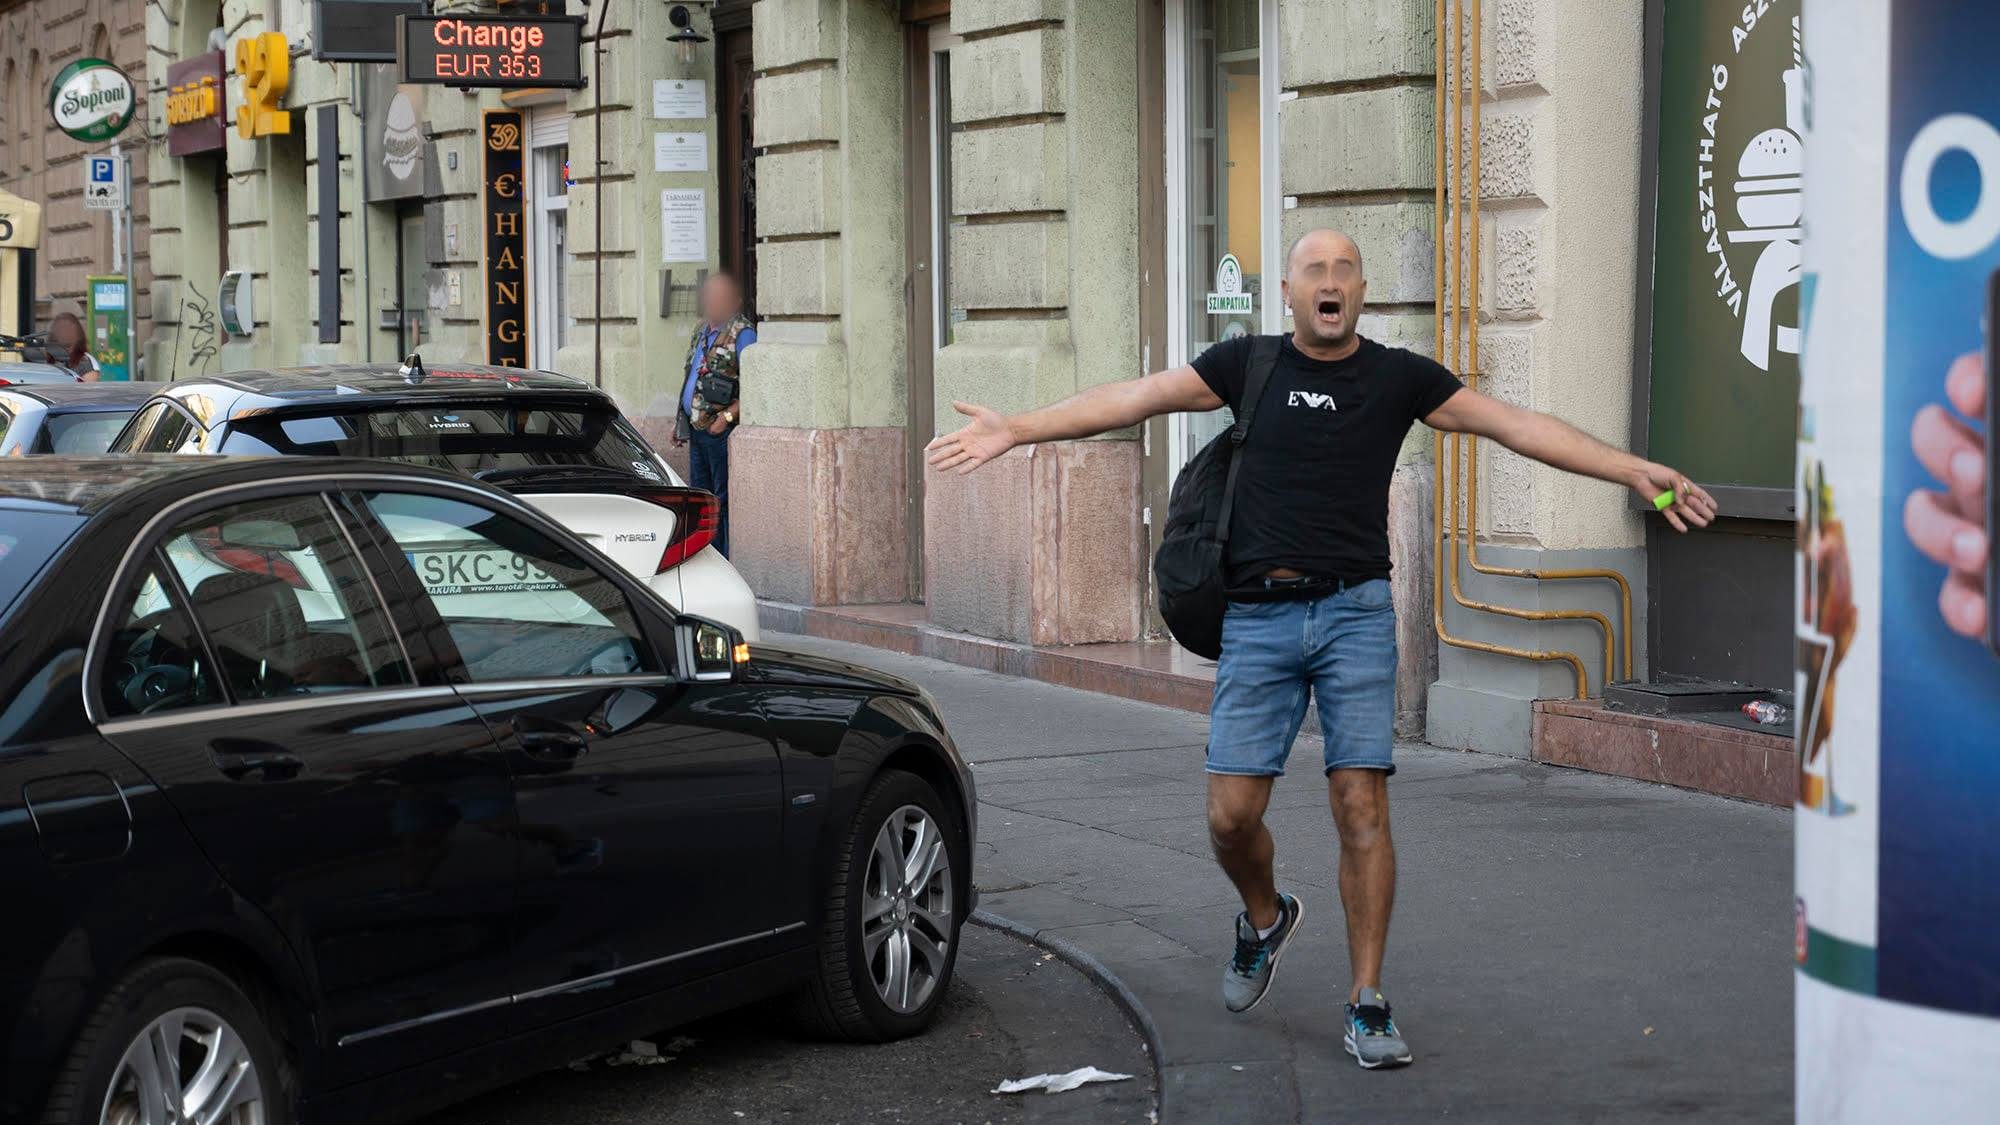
(92, 100)
(1727, 221)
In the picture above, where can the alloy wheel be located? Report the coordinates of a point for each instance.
(188, 1067)
(906, 905)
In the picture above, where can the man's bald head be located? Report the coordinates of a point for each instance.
(1325, 290)
(1325, 238)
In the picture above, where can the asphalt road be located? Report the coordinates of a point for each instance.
(1567, 947)
(1014, 1010)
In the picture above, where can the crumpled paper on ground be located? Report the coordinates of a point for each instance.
(1059, 1083)
(640, 1052)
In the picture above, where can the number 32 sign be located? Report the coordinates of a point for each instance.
(265, 62)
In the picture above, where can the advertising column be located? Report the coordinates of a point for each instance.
(1898, 818)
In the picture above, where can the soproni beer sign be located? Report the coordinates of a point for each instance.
(92, 100)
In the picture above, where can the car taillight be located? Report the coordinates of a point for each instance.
(697, 517)
(247, 560)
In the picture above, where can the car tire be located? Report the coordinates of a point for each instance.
(211, 1023)
(871, 913)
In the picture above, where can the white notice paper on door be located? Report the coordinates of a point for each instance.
(683, 225)
(680, 98)
(680, 152)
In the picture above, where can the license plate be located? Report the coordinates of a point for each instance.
(480, 572)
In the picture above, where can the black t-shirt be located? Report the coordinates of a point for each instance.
(1313, 492)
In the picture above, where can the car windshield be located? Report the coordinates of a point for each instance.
(83, 432)
(486, 440)
(27, 541)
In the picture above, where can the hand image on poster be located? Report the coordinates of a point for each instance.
(1949, 524)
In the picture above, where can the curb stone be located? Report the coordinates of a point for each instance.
(1106, 980)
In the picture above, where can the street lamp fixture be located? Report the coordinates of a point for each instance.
(684, 34)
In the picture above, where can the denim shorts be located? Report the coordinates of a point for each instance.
(1342, 647)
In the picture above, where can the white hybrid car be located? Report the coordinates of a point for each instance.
(557, 442)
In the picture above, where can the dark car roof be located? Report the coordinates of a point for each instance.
(105, 396)
(382, 378)
(95, 483)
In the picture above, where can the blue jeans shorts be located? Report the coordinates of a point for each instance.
(1342, 647)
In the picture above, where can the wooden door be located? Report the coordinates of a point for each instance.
(738, 168)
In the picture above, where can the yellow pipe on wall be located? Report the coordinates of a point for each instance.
(1474, 373)
(1447, 540)
(1465, 329)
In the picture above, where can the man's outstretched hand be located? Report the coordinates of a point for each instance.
(987, 436)
(1692, 506)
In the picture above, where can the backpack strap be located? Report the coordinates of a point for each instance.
(1256, 373)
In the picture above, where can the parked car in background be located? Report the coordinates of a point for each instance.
(339, 790)
(67, 417)
(27, 359)
(558, 442)
(16, 374)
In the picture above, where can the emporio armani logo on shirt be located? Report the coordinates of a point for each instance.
(1312, 399)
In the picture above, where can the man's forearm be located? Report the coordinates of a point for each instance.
(1558, 444)
(1108, 406)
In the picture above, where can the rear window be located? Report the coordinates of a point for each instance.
(27, 541)
(83, 432)
(483, 440)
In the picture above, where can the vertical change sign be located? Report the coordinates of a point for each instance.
(1898, 818)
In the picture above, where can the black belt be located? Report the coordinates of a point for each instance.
(1309, 587)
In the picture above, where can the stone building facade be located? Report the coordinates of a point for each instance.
(1000, 201)
(1007, 201)
(411, 264)
(42, 164)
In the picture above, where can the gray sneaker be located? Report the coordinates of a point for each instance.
(1248, 975)
(1372, 1037)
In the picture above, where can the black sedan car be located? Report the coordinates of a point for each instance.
(67, 417)
(333, 790)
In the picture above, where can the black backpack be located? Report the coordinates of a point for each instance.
(1189, 569)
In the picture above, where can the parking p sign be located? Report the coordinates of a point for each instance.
(104, 189)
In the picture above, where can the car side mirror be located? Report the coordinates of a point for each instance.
(709, 650)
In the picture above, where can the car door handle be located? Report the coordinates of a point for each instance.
(554, 745)
(239, 758)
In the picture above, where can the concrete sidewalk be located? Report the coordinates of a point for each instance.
(1566, 946)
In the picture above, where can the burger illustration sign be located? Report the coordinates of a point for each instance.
(92, 100)
(1726, 326)
(395, 153)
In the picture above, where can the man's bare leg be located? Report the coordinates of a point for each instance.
(1360, 800)
(1242, 844)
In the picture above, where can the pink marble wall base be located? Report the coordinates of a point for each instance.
(819, 517)
(1043, 546)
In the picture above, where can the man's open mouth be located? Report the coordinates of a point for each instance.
(1329, 309)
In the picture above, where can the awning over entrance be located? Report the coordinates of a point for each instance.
(20, 231)
(20, 222)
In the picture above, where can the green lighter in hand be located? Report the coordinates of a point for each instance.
(1664, 500)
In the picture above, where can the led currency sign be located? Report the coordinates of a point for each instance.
(486, 51)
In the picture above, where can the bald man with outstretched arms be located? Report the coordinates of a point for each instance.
(1309, 605)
